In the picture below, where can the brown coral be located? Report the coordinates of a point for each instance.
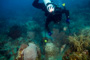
(20, 55)
(76, 56)
(81, 41)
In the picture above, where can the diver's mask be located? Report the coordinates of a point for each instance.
(50, 8)
(49, 5)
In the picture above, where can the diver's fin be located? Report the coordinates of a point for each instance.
(63, 4)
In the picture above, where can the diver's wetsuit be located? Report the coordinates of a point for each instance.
(55, 17)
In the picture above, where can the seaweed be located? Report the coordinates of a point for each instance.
(79, 45)
(82, 41)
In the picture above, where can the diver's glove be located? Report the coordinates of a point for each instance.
(49, 33)
(68, 21)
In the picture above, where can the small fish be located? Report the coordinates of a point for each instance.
(62, 48)
(65, 28)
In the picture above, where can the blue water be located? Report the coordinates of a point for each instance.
(15, 15)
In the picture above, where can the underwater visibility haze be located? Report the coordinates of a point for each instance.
(23, 34)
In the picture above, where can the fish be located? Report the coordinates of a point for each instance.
(62, 48)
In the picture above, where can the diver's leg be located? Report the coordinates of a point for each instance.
(48, 20)
(66, 13)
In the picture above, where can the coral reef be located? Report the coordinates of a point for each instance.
(20, 52)
(31, 35)
(31, 52)
(59, 38)
(34, 31)
(78, 46)
(81, 41)
(51, 51)
(15, 32)
(76, 56)
(32, 26)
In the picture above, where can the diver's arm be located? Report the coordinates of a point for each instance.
(66, 13)
(36, 4)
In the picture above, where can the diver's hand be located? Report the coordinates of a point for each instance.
(68, 21)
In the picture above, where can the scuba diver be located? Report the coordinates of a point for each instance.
(52, 12)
